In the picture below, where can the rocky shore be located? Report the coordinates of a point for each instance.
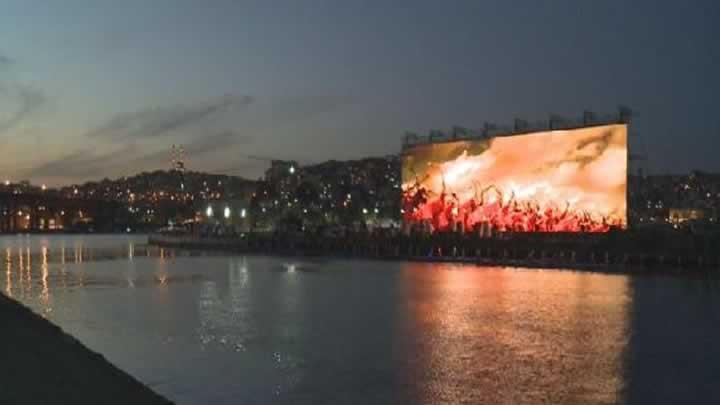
(41, 364)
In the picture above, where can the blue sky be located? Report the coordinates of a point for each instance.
(104, 88)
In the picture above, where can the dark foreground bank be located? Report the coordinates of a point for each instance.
(40, 364)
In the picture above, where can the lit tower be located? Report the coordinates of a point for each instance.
(180, 163)
(173, 157)
(177, 162)
(177, 166)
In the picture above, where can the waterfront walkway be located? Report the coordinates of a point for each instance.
(40, 364)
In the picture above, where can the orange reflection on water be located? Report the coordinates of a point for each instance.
(21, 273)
(45, 294)
(8, 272)
(78, 251)
(510, 334)
(28, 268)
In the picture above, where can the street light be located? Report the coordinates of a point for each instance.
(209, 211)
(243, 213)
(292, 169)
(226, 212)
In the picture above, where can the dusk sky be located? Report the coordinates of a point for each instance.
(93, 88)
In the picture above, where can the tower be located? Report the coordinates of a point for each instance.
(177, 162)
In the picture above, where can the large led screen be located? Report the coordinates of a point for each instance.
(554, 181)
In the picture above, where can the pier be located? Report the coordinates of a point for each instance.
(612, 252)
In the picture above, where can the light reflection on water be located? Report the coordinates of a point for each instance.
(204, 328)
(565, 343)
(28, 257)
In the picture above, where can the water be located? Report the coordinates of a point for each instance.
(203, 328)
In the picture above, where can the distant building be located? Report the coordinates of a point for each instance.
(362, 192)
(680, 215)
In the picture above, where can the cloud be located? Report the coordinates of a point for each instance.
(217, 141)
(163, 121)
(81, 163)
(197, 147)
(304, 107)
(5, 61)
(141, 140)
(23, 101)
(86, 163)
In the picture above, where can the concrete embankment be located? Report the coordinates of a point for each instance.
(40, 364)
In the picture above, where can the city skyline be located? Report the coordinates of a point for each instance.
(97, 91)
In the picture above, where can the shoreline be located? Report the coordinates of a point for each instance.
(42, 364)
(555, 260)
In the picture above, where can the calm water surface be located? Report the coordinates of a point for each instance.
(202, 328)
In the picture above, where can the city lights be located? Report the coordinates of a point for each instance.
(336, 189)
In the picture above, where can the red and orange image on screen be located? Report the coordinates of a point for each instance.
(555, 181)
